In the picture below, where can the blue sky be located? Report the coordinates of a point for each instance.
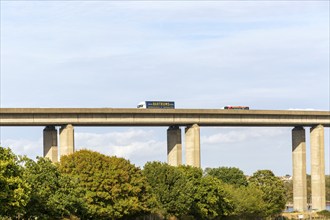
(201, 54)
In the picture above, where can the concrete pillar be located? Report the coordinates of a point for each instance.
(50, 143)
(66, 140)
(193, 155)
(299, 169)
(317, 167)
(174, 146)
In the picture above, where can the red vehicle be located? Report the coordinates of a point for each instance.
(237, 107)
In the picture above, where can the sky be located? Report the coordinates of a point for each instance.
(271, 55)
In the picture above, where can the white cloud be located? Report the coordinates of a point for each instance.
(30, 148)
(138, 146)
(120, 138)
(242, 134)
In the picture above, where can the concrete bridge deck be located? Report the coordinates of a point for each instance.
(159, 117)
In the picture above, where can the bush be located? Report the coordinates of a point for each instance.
(324, 213)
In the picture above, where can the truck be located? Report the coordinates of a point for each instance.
(157, 104)
(237, 107)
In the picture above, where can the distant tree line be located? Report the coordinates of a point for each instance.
(289, 189)
(90, 185)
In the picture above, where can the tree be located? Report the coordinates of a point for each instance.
(273, 189)
(327, 189)
(309, 188)
(114, 188)
(209, 201)
(171, 187)
(54, 195)
(192, 173)
(247, 201)
(288, 184)
(14, 191)
(230, 175)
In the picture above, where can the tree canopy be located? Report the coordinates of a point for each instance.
(54, 195)
(184, 191)
(230, 175)
(171, 188)
(274, 194)
(114, 188)
(247, 201)
(210, 199)
(90, 185)
(14, 190)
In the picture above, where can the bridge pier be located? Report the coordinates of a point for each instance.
(193, 153)
(66, 140)
(299, 169)
(174, 146)
(317, 167)
(50, 143)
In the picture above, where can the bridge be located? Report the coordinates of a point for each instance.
(192, 120)
(159, 117)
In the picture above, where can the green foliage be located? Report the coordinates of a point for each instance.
(114, 188)
(54, 195)
(309, 189)
(89, 185)
(171, 187)
(210, 201)
(14, 191)
(273, 189)
(327, 187)
(183, 191)
(230, 175)
(192, 173)
(289, 190)
(209, 197)
(324, 213)
(247, 201)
